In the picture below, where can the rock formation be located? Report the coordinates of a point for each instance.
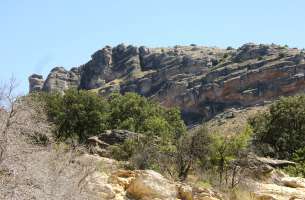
(202, 81)
(118, 184)
(36, 82)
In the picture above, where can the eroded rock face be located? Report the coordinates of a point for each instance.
(36, 82)
(262, 180)
(60, 79)
(202, 81)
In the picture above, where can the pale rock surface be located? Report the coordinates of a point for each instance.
(110, 183)
(149, 184)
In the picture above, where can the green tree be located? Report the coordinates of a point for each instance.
(281, 128)
(136, 113)
(192, 148)
(226, 148)
(81, 114)
(77, 114)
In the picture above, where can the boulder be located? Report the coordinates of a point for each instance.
(149, 185)
(111, 137)
(104, 180)
(264, 191)
(294, 182)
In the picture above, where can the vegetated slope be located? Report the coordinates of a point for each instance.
(202, 81)
(36, 167)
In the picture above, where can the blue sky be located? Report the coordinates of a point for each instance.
(37, 35)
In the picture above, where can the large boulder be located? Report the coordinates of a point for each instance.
(150, 185)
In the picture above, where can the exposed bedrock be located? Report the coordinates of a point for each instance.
(201, 80)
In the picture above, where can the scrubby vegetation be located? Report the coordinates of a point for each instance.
(81, 114)
(280, 132)
(165, 145)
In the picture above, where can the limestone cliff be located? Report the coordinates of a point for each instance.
(202, 81)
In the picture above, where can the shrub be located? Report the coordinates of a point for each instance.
(193, 147)
(227, 148)
(81, 114)
(299, 169)
(136, 113)
(282, 128)
(77, 114)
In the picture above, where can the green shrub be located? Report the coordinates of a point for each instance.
(299, 169)
(136, 113)
(224, 149)
(78, 115)
(280, 131)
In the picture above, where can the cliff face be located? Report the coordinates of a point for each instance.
(200, 80)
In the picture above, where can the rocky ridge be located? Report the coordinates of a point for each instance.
(202, 81)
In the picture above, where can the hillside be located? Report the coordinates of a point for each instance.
(36, 166)
(202, 81)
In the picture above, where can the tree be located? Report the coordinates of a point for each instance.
(281, 128)
(136, 113)
(191, 148)
(81, 114)
(226, 148)
(77, 114)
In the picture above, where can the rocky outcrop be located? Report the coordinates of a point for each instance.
(201, 81)
(286, 189)
(99, 144)
(261, 179)
(60, 79)
(108, 182)
(116, 136)
(36, 82)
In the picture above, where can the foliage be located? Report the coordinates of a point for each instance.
(224, 149)
(77, 114)
(191, 148)
(136, 113)
(282, 128)
(81, 114)
(299, 169)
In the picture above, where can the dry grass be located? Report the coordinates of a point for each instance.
(38, 171)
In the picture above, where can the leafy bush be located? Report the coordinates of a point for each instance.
(193, 147)
(136, 113)
(299, 169)
(81, 114)
(280, 132)
(77, 114)
(224, 149)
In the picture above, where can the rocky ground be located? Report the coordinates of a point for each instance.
(203, 81)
